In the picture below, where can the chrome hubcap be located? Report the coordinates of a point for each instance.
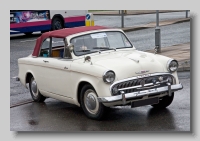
(91, 102)
(34, 87)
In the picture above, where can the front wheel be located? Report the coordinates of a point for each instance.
(90, 104)
(164, 102)
(36, 95)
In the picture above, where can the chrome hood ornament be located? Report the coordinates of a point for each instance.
(142, 71)
(136, 60)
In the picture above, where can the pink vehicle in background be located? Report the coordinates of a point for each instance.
(29, 21)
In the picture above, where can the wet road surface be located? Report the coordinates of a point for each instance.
(54, 115)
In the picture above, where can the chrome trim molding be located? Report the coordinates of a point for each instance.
(136, 60)
(140, 86)
(105, 74)
(142, 71)
(124, 97)
(168, 63)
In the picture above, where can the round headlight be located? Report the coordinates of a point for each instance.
(172, 65)
(109, 76)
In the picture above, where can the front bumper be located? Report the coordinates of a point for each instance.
(124, 98)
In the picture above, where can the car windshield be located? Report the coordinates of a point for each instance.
(100, 41)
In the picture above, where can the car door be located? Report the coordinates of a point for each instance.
(56, 76)
(53, 71)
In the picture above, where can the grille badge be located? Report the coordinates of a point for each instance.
(142, 71)
(160, 78)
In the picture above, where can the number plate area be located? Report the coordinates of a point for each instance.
(145, 102)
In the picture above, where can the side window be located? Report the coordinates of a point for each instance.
(44, 52)
(57, 47)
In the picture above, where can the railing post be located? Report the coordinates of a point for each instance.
(122, 15)
(157, 34)
(186, 13)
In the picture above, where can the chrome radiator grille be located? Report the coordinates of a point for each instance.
(138, 84)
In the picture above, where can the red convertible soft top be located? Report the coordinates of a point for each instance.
(62, 34)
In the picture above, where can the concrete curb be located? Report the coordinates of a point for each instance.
(151, 25)
(184, 66)
(183, 69)
(134, 28)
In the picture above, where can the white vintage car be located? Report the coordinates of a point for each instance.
(97, 67)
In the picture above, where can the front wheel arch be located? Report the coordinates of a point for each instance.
(80, 86)
(28, 76)
(33, 88)
(89, 103)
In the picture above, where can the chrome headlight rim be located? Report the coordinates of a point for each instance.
(168, 65)
(105, 74)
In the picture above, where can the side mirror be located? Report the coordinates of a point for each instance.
(70, 47)
(68, 51)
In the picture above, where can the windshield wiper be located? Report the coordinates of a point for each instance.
(84, 50)
(122, 47)
(105, 48)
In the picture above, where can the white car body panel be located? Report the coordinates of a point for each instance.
(60, 78)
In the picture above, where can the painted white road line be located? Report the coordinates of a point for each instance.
(28, 40)
(13, 31)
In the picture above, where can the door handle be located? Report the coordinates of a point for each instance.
(45, 61)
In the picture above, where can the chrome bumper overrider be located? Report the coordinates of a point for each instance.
(124, 97)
